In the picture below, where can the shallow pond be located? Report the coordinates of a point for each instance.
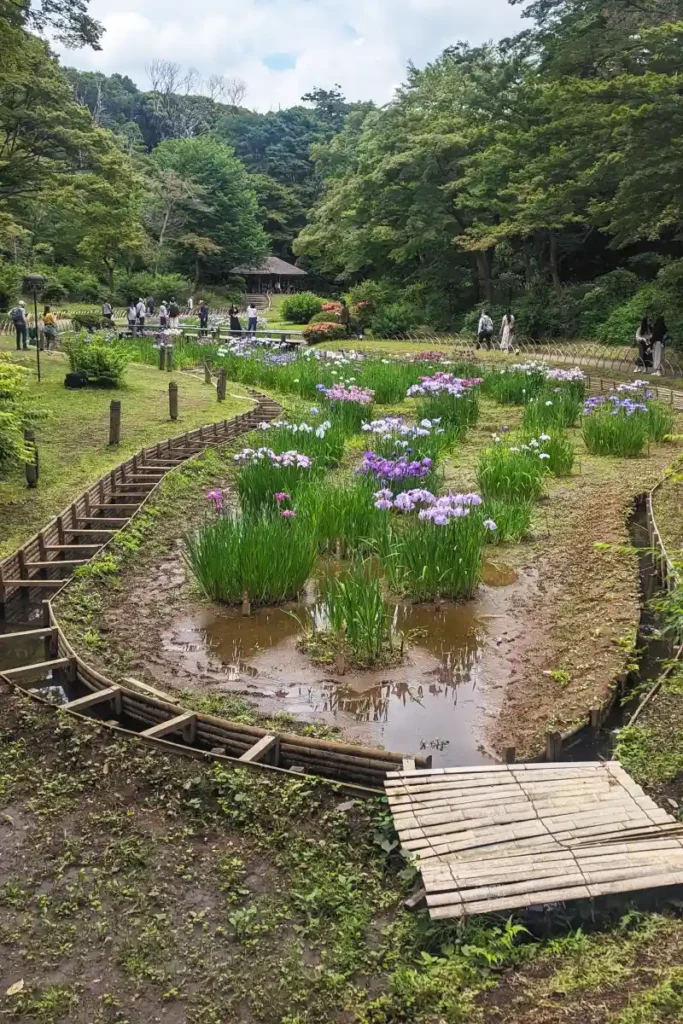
(436, 701)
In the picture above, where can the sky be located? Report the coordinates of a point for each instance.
(284, 48)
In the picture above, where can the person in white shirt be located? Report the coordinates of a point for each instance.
(132, 316)
(141, 311)
(252, 315)
(163, 316)
(507, 333)
(484, 330)
(190, 303)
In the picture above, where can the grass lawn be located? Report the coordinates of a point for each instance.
(73, 439)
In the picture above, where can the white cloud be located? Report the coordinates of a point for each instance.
(362, 44)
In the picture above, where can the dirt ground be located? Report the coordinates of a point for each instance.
(138, 888)
(566, 632)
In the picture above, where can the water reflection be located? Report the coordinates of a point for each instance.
(430, 702)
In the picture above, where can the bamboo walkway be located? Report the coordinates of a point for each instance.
(506, 837)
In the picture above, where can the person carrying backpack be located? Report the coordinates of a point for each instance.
(484, 330)
(174, 314)
(18, 318)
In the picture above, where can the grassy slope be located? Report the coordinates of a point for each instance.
(73, 439)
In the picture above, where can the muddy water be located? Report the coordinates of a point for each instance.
(436, 701)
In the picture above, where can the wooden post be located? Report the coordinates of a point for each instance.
(595, 719)
(173, 400)
(162, 356)
(246, 603)
(509, 755)
(207, 373)
(553, 746)
(341, 659)
(32, 468)
(169, 357)
(221, 387)
(114, 423)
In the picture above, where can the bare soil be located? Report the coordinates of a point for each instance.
(564, 639)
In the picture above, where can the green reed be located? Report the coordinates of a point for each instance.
(510, 473)
(265, 556)
(606, 432)
(512, 518)
(354, 603)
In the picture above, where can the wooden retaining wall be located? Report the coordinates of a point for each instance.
(365, 767)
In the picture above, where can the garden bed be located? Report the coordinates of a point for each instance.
(533, 654)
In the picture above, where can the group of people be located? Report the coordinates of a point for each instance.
(651, 339)
(46, 328)
(506, 335)
(236, 323)
(137, 313)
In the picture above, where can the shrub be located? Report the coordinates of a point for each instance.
(268, 556)
(326, 317)
(100, 362)
(362, 313)
(393, 320)
(88, 321)
(324, 331)
(12, 415)
(299, 308)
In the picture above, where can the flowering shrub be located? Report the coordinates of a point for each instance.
(324, 443)
(331, 307)
(452, 400)
(401, 472)
(437, 553)
(326, 331)
(265, 473)
(393, 436)
(613, 425)
(348, 404)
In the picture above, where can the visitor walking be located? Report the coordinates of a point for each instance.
(141, 311)
(190, 303)
(163, 315)
(345, 317)
(49, 328)
(107, 312)
(174, 315)
(151, 306)
(18, 318)
(234, 314)
(660, 339)
(132, 316)
(644, 342)
(484, 330)
(507, 333)
(203, 318)
(252, 315)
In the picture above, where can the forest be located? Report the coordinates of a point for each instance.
(540, 172)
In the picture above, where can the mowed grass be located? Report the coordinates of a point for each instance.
(73, 439)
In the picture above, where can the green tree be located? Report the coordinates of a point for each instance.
(230, 217)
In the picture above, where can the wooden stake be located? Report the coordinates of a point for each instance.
(509, 755)
(114, 423)
(341, 659)
(221, 386)
(32, 468)
(173, 400)
(162, 356)
(246, 603)
(553, 746)
(169, 358)
(207, 373)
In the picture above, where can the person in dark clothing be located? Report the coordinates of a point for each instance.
(644, 340)
(234, 314)
(660, 339)
(203, 318)
(18, 318)
(345, 317)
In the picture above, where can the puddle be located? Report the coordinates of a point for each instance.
(437, 701)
